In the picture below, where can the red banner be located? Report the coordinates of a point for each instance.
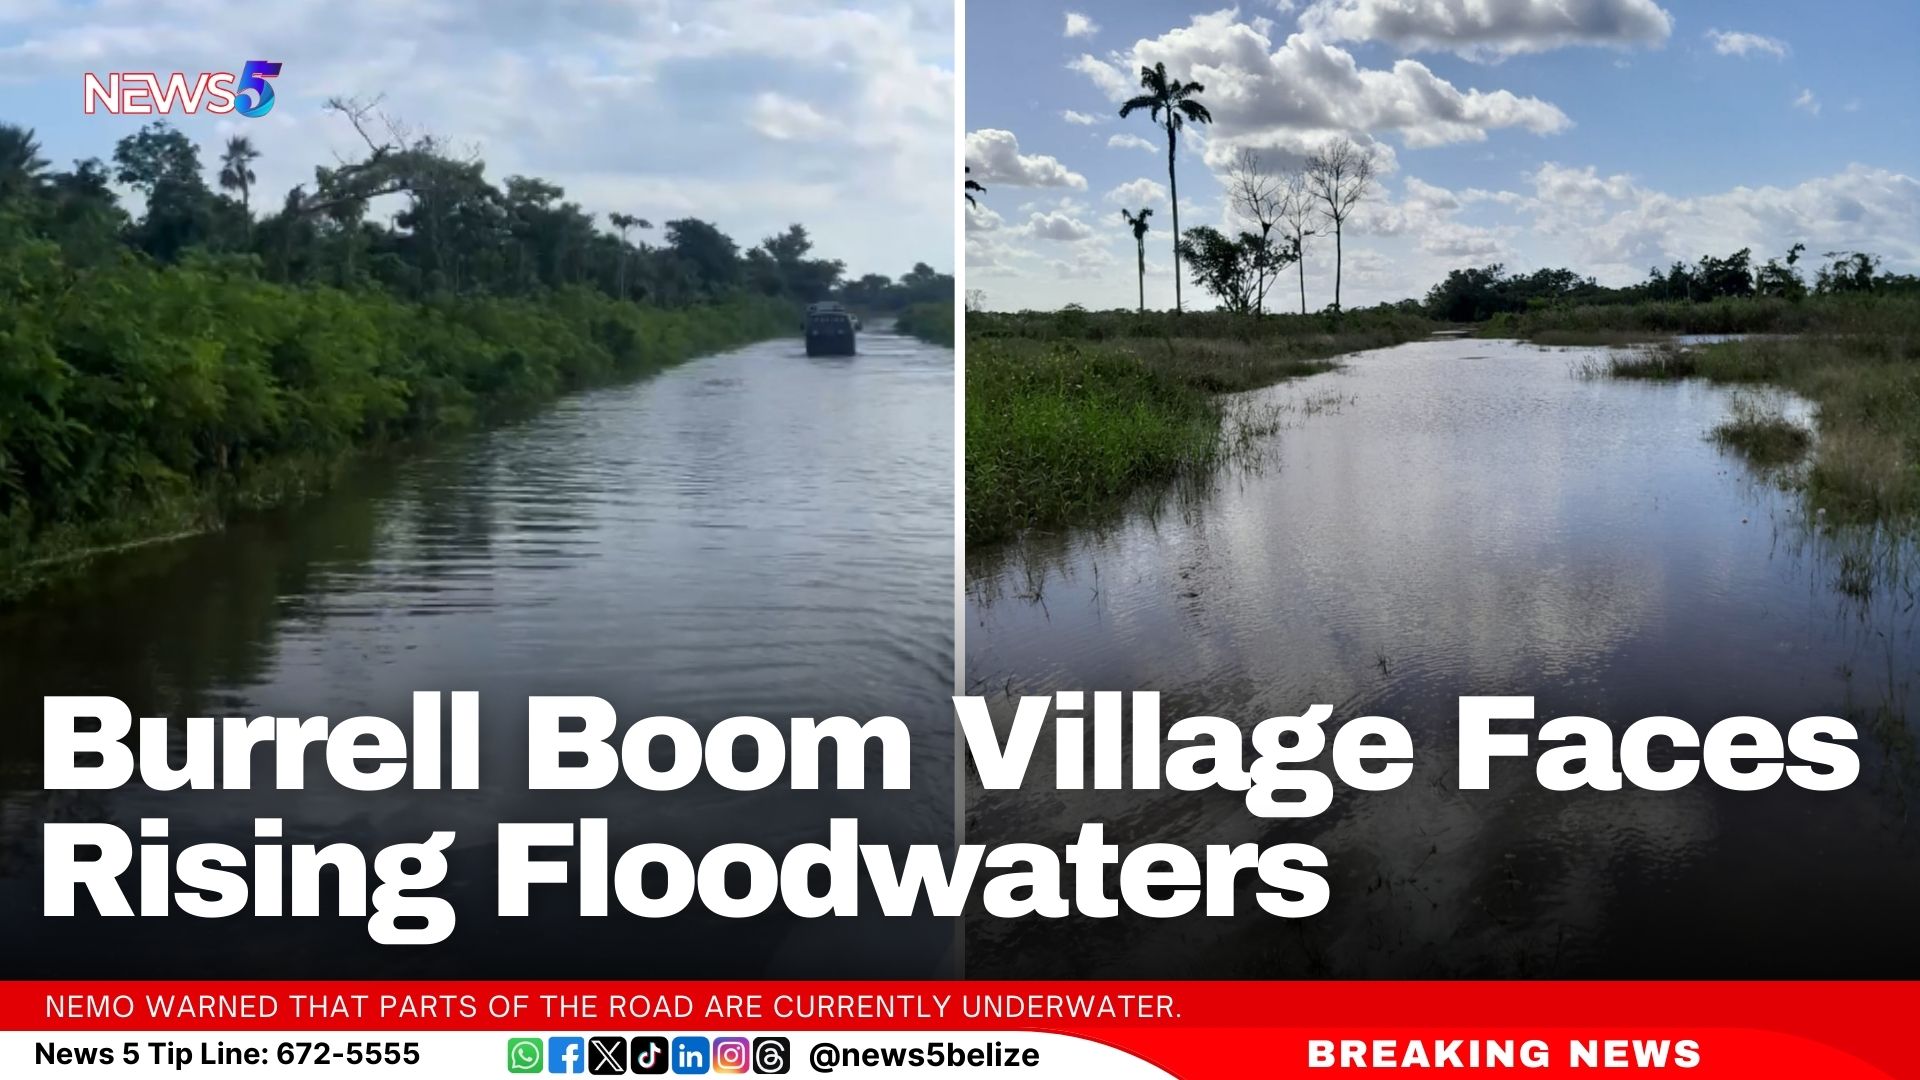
(1189, 1029)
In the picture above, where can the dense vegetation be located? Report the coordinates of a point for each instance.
(1069, 412)
(1711, 294)
(929, 321)
(160, 367)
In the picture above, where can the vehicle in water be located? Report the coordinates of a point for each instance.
(830, 329)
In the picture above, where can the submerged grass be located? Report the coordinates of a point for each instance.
(1860, 366)
(1070, 412)
(1765, 437)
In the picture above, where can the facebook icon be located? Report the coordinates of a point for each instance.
(566, 1054)
(690, 1055)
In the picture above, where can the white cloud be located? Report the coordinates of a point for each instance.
(981, 218)
(1617, 228)
(1111, 80)
(1741, 43)
(1079, 25)
(1073, 116)
(1490, 29)
(1292, 98)
(1608, 225)
(1056, 226)
(1131, 142)
(779, 117)
(995, 158)
(1807, 103)
(743, 102)
(1139, 193)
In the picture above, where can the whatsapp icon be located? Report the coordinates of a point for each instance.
(523, 1055)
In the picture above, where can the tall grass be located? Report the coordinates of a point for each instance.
(1610, 324)
(1070, 412)
(1862, 372)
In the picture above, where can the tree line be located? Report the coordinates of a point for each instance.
(165, 359)
(1477, 294)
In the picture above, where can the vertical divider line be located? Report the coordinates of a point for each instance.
(959, 459)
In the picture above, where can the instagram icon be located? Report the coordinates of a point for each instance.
(730, 1055)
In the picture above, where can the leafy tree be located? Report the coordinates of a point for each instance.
(1480, 293)
(1172, 104)
(1731, 276)
(1847, 272)
(1138, 222)
(1782, 279)
(164, 166)
(710, 256)
(1233, 270)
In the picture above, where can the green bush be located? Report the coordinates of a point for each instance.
(138, 399)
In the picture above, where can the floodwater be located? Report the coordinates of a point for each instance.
(752, 533)
(1466, 517)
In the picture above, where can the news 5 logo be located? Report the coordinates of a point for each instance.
(145, 93)
(648, 1055)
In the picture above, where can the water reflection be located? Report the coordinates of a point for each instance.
(1479, 520)
(755, 533)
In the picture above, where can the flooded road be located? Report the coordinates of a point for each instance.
(752, 533)
(1469, 517)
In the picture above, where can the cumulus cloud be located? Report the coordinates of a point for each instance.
(1140, 192)
(1618, 227)
(1740, 43)
(1131, 142)
(1079, 25)
(981, 218)
(1056, 226)
(1807, 103)
(1112, 81)
(1294, 97)
(1074, 116)
(1481, 30)
(744, 103)
(995, 158)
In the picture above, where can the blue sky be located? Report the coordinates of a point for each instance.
(1603, 135)
(751, 113)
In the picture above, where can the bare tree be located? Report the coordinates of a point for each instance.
(1256, 195)
(1299, 219)
(1340, 175)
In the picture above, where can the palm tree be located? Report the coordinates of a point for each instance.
(1139, 223)
(623, 222)
(236, 173)
(973, 186)
(20, 161)
(1170, 103)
